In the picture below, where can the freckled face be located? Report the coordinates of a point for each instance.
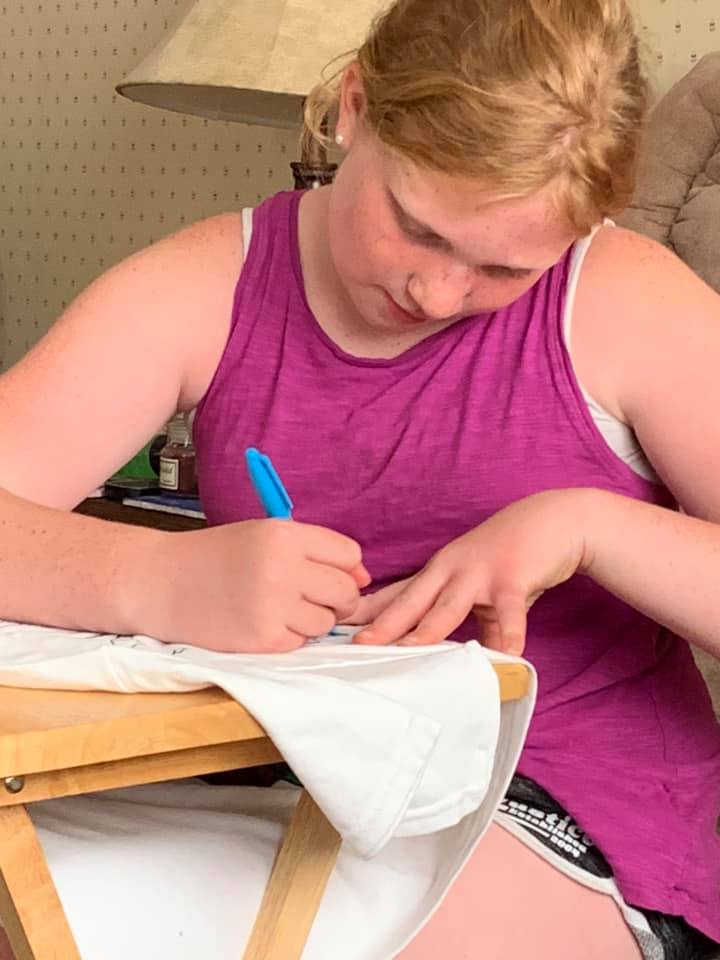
(417, 249)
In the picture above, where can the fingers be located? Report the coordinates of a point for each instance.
(488, 628)
(425, 611)
(511, 612)
(361, 576)
(405, 610)
(290, 641)
(373, 604)
(334, 549)
(331, 588)
(449, 610)
(311, 620)
(503, 624)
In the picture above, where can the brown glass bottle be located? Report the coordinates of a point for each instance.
(178, 475)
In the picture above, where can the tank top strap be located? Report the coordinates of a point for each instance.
(268, 234)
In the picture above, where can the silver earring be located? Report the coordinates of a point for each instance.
(339, 139)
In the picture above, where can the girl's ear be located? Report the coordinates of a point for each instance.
(351, 105)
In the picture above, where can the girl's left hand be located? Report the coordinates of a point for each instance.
(497, 570)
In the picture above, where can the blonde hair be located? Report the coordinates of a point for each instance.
(519, 93)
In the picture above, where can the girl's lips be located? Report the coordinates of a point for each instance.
(404, 314)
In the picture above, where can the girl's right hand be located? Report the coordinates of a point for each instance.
(254, 586)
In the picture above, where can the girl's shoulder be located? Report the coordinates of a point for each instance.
(636, 304)
(142, 341)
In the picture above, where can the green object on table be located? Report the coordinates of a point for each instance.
(139, 466)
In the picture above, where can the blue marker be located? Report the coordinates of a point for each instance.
(271, 492)
(268, 485)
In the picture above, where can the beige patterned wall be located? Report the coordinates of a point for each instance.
(677, 33)
(86, 177)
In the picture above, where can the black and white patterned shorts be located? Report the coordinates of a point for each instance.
(531, 814)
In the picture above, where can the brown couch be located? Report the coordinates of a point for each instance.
(677, 200)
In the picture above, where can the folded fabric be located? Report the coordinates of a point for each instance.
(406, 750)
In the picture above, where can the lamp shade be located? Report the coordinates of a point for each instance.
(249, 60)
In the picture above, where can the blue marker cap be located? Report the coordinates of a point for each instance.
(268, 485)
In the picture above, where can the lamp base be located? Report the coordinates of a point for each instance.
(310, 176)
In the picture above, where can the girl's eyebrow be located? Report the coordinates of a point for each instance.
(408, 221)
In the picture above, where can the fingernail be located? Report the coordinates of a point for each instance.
(409, 641)
(365, 636)
(361, 576)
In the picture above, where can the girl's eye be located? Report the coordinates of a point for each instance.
(426, 239)
(432, 240)
(416, 233)
(504, 273)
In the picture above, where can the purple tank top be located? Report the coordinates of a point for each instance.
(406, 454)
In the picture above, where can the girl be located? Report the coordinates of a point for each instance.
(482, 395)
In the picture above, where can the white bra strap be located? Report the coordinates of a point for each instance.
(247, 225)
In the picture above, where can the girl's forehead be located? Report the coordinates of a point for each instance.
(472, 214)
(464, 196)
